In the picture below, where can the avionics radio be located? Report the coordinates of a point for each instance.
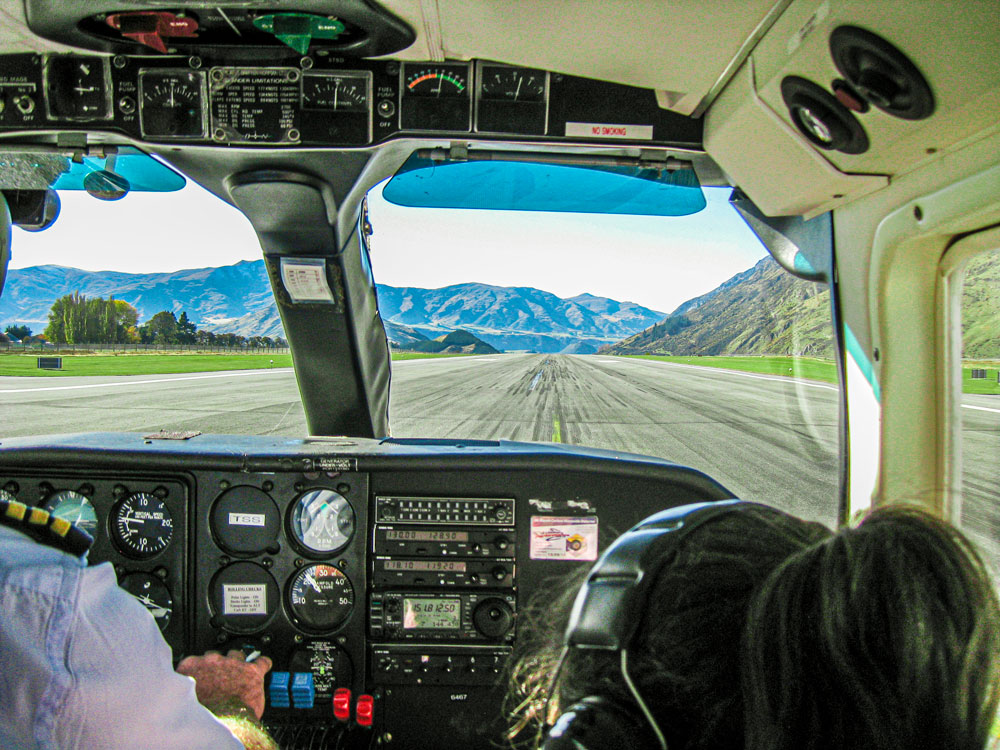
(424, 545)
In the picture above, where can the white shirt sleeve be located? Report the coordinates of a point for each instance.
(124, 692)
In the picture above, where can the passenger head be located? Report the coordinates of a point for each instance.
(684, 658)
(884, 636)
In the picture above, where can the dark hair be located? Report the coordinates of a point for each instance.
(685, 660)
(885, 636)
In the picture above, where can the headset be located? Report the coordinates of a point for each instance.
(607, 612)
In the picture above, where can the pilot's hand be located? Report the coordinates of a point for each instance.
(223, 683)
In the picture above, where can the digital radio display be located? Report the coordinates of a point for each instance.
(425, 565)
(427, 536)
(432, 614)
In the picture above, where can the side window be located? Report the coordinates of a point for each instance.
(980, 404)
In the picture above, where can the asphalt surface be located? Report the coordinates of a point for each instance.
(765, 438)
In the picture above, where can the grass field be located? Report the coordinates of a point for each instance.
(156, 364)
(822, 369)
(799, 367)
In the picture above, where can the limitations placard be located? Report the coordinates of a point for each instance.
(305, 280)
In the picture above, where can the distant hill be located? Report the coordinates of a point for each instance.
(981, 307)
(238, 299)
(456, 342)
(762, 310)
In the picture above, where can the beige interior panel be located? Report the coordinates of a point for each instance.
(770, 160)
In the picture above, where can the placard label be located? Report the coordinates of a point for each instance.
(244, 599)
(564, 537)
(247, 519)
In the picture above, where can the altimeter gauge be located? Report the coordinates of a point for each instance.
(141, 525)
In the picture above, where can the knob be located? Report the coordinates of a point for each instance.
(493, 618)
(501, 543)
(499, 572)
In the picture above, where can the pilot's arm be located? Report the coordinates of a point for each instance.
(84, 665)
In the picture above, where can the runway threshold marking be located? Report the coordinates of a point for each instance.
(119, 384)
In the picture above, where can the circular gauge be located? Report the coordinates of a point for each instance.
(330, 665)
(172, 104)
(501, 83)
(322, 521)
(244, 597)
(446, 81)
(337, 93)
(152, 593)
(75, 508)
(141, 525)
(320, 597)
(246, 521)
(7, 497)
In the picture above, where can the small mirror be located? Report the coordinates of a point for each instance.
(105, 185)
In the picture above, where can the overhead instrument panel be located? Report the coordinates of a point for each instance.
(323, 101)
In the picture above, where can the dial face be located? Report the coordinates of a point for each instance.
(172, 104)
(500, 83)
(152, 593)
(321, 597)
(75, 508)
(76, 87)
(439, 81)
(338, 93)
(322, 521)
(141, 525)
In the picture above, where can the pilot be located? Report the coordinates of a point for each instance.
(757, 630)
(83, 664)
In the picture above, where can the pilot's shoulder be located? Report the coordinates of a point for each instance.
(44, 528)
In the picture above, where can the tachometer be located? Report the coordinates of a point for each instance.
(75, 508)
(435, 97)
(141, 525)
(440, 81)
(322, 521)
(320, 597)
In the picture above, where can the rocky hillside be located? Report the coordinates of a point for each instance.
(762, 310)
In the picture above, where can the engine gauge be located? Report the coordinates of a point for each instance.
(511, 100)
(502, 83)
(77, 87)
(172, 104)
(322, 521)
(336, 92)
(141, 525)
(435, 97)
(75, 508)
(320, 597)
(152, 593)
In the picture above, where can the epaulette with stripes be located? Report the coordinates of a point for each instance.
(44, 527)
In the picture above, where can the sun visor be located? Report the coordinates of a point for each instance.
(519, 181)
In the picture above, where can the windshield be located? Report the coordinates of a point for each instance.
(672, 336)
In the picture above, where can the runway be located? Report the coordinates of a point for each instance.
(765, 438)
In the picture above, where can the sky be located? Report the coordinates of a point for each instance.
(657, 262)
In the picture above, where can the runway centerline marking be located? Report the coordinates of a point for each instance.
(980, 408)
(119, 384)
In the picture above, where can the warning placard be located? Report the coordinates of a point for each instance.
(564, 537)
(305, 279)
(244, 599)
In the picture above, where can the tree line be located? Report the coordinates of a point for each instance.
(77, 319)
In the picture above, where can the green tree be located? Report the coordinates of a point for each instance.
(18, 331)
(162, 328)
(186, 330)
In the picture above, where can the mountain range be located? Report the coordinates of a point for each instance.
(238, 299)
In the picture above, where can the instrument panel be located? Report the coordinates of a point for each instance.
(387, 582)
(323, 101)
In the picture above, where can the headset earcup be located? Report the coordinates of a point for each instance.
(600, 723)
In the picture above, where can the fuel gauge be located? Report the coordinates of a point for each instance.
(172, 104)
(336, 92)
